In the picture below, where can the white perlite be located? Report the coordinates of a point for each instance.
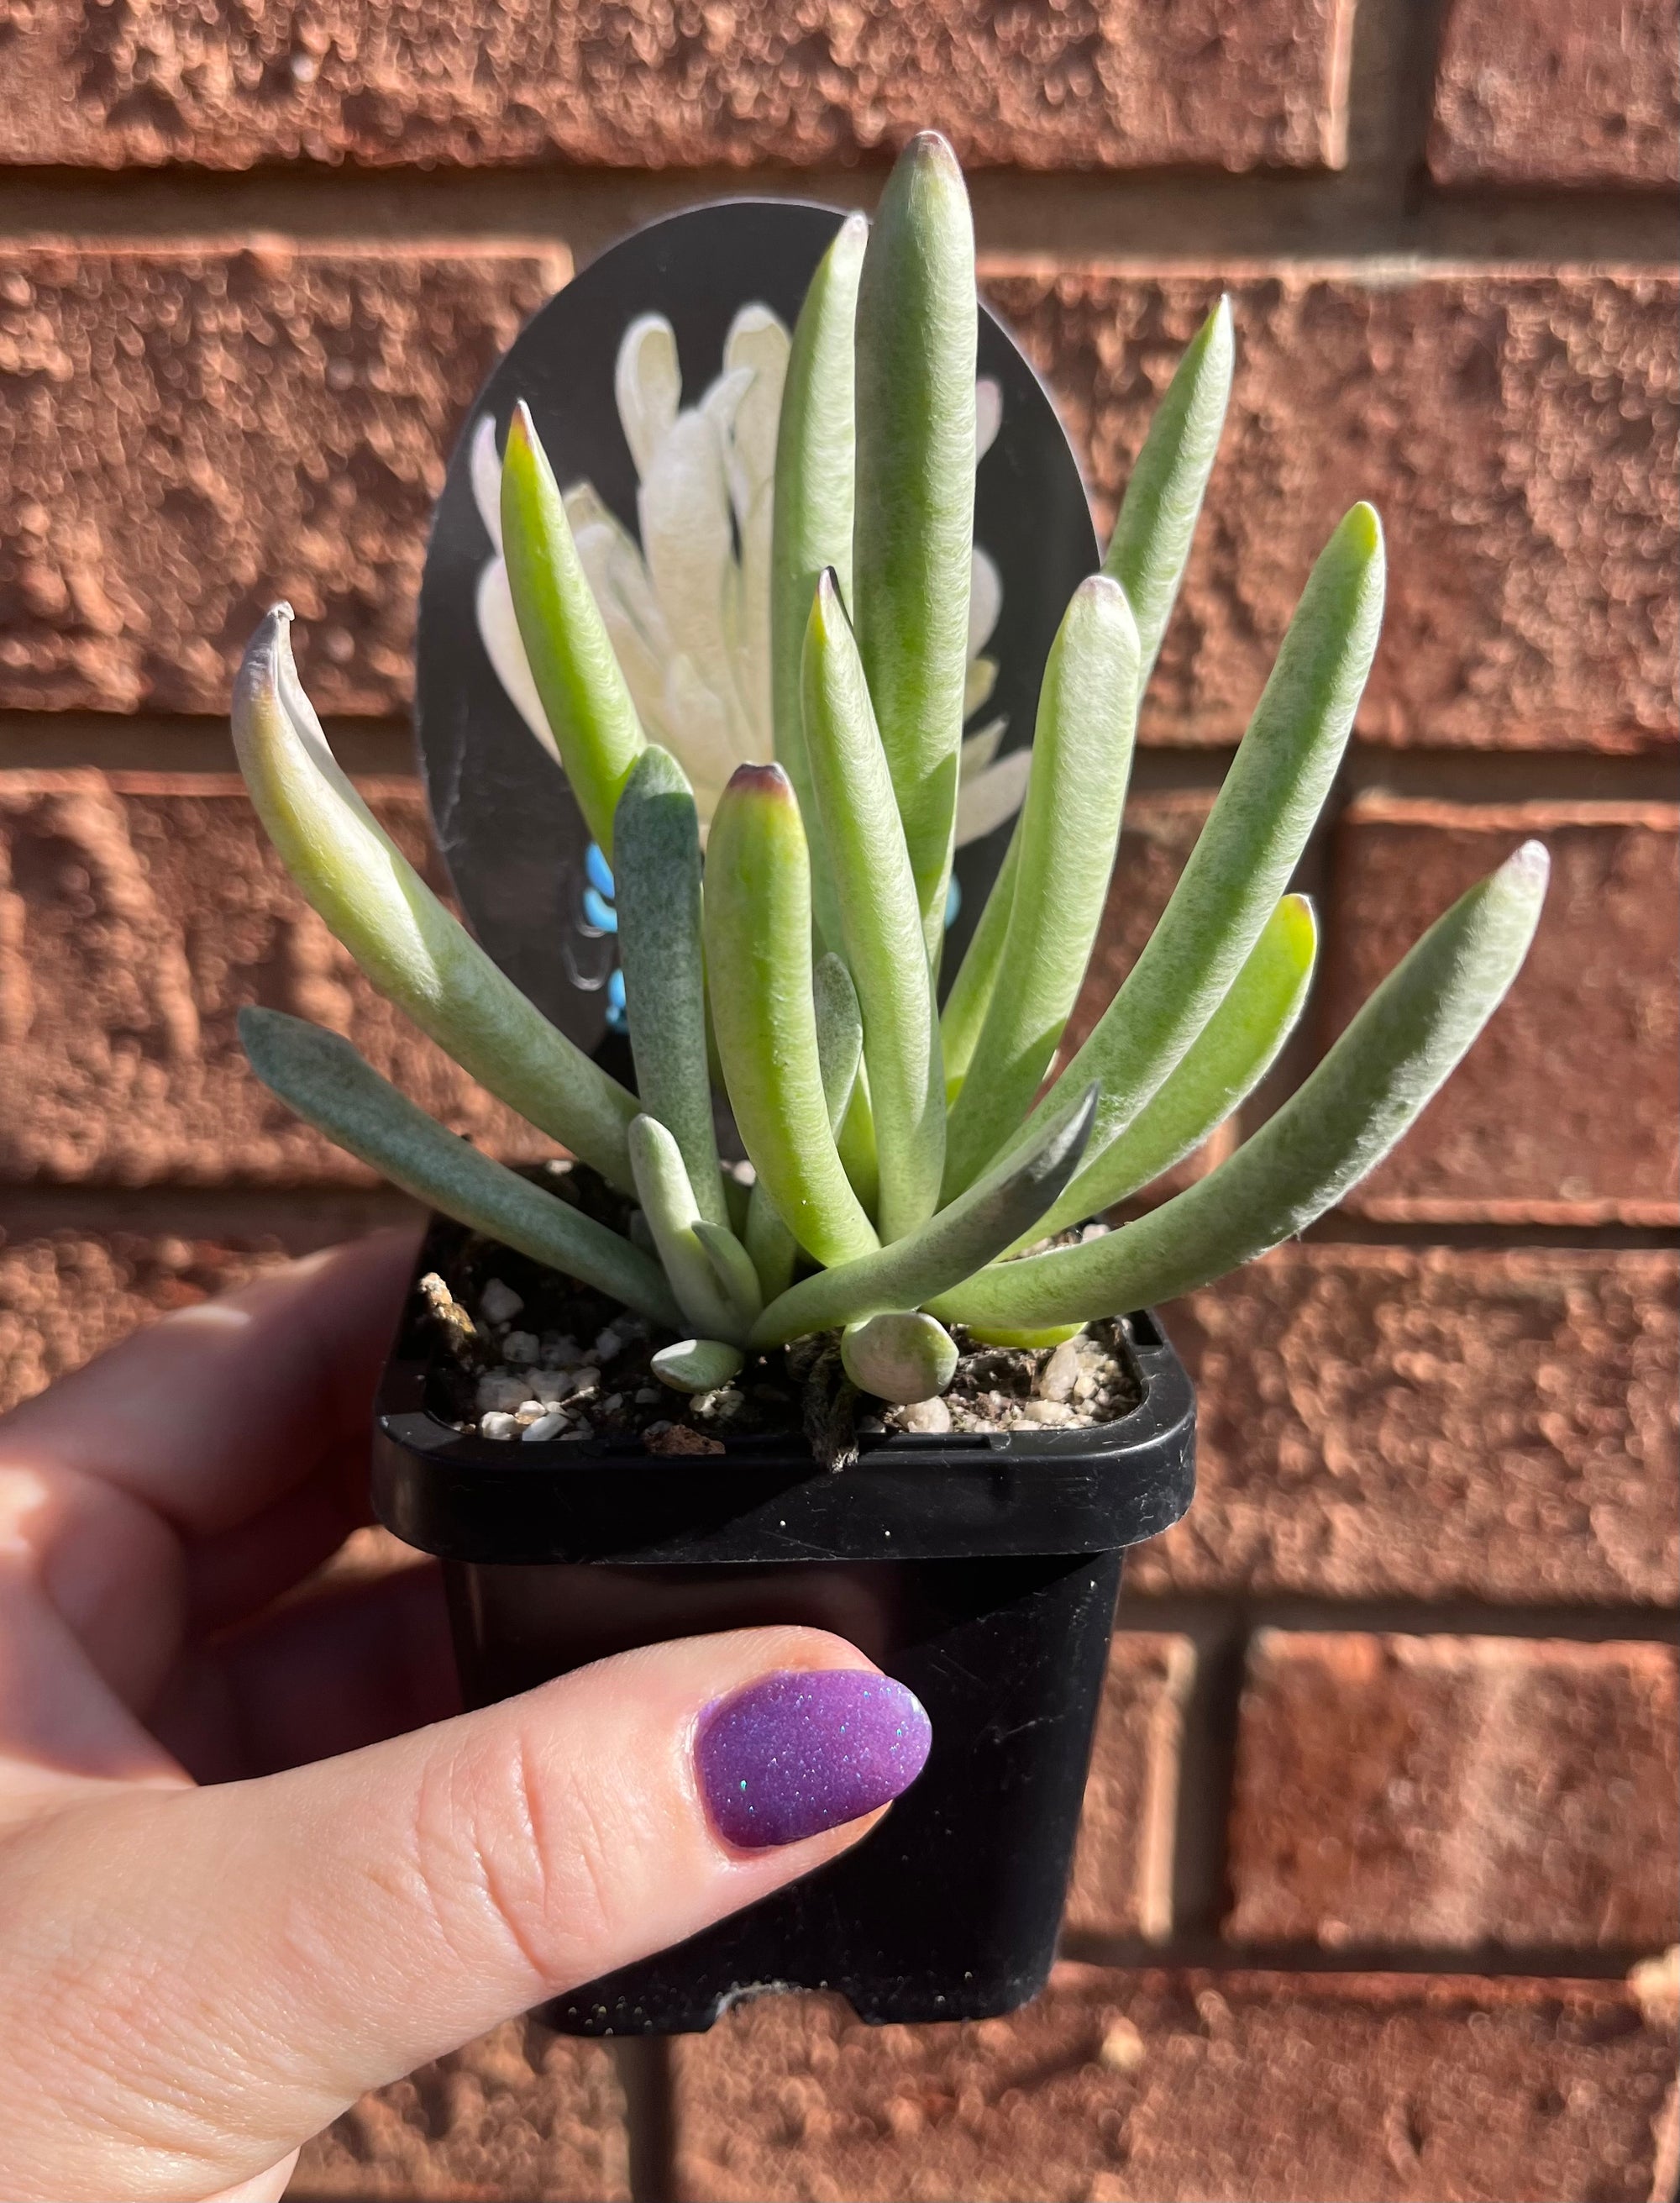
(498, 1303)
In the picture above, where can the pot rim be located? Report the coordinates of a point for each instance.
(909, 1495)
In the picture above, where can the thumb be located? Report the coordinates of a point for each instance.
(205, 1977)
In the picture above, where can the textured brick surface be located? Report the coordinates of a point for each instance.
(66, 1295)
(137, 914)
(190, 435)
(521, 2116)
(1122, 1881)
(1129, 2087)
(1558, 92)
(1128, 84)
(1449, 1792)
(186, 435)
(1517, 431)
(1382, 1422)
(1565, 1110)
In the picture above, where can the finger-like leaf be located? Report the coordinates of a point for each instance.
(901, 1355)
(949, 1247)
(330, 1086)
(706, 1299)
(585, 701)
(1339, 1124)
(1237, 1047)
(758, 975)
(970, 996)
(917, 335)
(840, 1045)
(880, 917)
(732, 1267)
(811, 530)
(696, 1365)
(656, 875)
(377, 906)
(1158, 514)
(1082, 757)
(1254, 835)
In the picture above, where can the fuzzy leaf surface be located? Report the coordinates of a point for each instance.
(330, 1086)
(417, 955)
(1339, 1124)
(917, 339)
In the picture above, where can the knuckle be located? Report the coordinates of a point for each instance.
(511, 1841)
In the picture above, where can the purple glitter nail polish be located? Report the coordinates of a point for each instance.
(806, 1750)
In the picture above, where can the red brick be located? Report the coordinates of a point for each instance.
(187, 435)
(139, 914)
(1240, 2086)
(1122, 1881)
(1516, 430)
(1382, 1423)
(67, 1295)
(1126, 85)
(1450, 1793)
(1565, 1110)
(520, 2115)
(1558, 92)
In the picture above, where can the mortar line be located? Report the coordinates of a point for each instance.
(1209, 1615)
(1057, 219)
(189, 743)
(1545, 1965)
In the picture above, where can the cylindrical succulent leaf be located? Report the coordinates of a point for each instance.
(656, 882)
(971, 990)
(330, 1086)
(1158, 514)
(816, 462)
(696, 1365)
(1235, 1050)
(901, 1355)
(1070, 823)
(583, 692)
(419, 956)
(918, 341)
(840, 1046)
(706, 1293)
(758, 976)
(1241, 865)
(1337, 1126)
(879, 918)
(949, 1247)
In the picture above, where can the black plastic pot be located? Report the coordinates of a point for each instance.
(981, 1571)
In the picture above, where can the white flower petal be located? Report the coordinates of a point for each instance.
(986, 600)
(980, 749)
(498, 631)
(648, 387)
(982, 679)
(988, 415)
(688, 542)
(992, 798)
(756, 342)
(699, 735)
(484, 469)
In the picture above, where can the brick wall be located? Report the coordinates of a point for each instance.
(1378, 1863)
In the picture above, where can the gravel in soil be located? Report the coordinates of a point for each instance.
(525, 1355)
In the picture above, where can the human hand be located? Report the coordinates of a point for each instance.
(254, 1861)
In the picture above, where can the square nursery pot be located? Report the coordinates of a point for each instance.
(980, 1570)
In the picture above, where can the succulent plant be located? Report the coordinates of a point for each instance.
(905, 1164)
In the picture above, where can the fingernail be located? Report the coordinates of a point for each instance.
(806, 1750)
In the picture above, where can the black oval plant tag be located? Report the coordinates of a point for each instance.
(683, 588)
